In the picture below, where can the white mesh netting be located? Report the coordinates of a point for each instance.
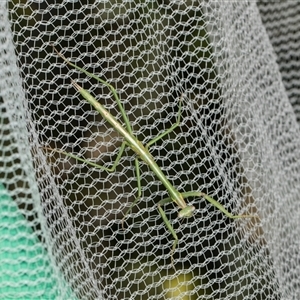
(236, 65)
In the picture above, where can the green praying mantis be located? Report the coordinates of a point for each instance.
(142, 152)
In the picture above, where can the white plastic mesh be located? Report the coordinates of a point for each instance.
(236, 65)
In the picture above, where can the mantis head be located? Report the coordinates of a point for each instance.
(186, 212)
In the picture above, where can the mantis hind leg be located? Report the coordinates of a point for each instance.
(112, 169)
(168, 130)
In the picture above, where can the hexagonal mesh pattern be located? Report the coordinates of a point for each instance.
(237, 141)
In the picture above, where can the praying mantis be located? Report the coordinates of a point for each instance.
(142, 152)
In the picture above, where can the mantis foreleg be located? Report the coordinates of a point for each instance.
(209, 199)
